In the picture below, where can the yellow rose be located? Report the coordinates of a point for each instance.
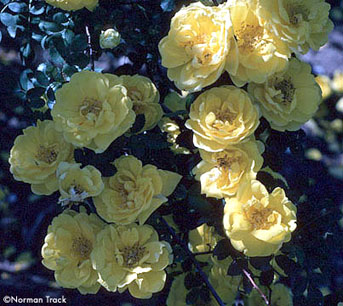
(76, 184)
(260, 52)
(178, 293)
(134, 192)
(92, 110)
(70, 240)
(281, 296)
(131, 257)
(301, 24)
(36, 155)
(196, 46)
(337, 81)
(290, 98)
(222, 116)
(225, 285)
(173, 130)
(202, 239)
(221, 173)
(145, 98)
(258, 223)
(72, 5)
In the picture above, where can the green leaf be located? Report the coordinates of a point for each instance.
(221, 249)
(261, 263)
(37, 103)
(167, 5)
(42, 79)
(8, 19)
(47, 26)
(35, 93)
(17, 7)
(60, 18)
(79, 43)
(37, 8)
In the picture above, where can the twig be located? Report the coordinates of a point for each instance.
(203, 253)
(248, 276)
(91, 54)
(195, 262)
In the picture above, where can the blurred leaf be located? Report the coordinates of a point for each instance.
(221, 250)
(8, 19)
(167, 5)
(192, 280)
(17, 7)
(234, 269)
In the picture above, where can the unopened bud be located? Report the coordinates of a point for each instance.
(109, 39)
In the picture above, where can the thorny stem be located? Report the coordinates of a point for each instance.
(91, 54)
(248, 276)
(195, 262)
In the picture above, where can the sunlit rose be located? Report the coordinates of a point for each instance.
(135, 191)
(195, 49)
(301, 24)
(67, 247)
(260, 51)
(131, 257)
(290, 98)
(92, 110)
(222, 116)
(221, 173)
(36, 155)
(258, 223)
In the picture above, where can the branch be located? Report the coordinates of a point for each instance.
(248, 276)
(195, 262)
(91, 54)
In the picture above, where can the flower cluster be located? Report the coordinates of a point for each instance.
(254, 41)
(117, 246)
(91, 111)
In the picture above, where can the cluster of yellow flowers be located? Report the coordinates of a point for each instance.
(253, 40)
(256, 42)
(91, 111)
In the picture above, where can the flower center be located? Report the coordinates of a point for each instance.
(132, 255)
(249, 37)
(297, 12)
(200, 48)
(91, 108)
(225, 161)
(259, 216)
(47, 154)
(223, 118)
(287, 89)
(134, 94)
(81, 248)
